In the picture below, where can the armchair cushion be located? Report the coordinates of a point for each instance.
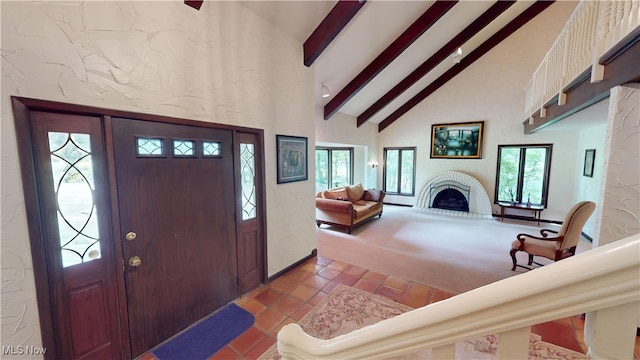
(536, 247)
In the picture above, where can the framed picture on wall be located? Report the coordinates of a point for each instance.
(292, 158)
(589, 156)
(457, 140)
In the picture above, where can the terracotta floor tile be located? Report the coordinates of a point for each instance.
(249, 338)
(395, 282)
(298, 274)
(317, 298)
(356, 270)
(388, 292)
(283, 284)
(147, 356)
(274, 333)
(287, 305)
(269, 296)
(304, 292)
(257, 291)
(418, 289)
(439, 295)
(251, 305)
(269, 319)
(321, 260)
(311, 267)
(317, 282)
(347, 279)
(374, 276)
(338, 265)
(330, 286)
(578, 321)
(226, 353)
(558, 333)
(302, 311)
(258, 349)
(413, 300)
(367, 285)
(328, 273)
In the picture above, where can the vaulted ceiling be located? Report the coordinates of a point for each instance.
(381, 58)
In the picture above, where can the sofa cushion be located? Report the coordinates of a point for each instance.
(363, 208)
(371, 195)
(336, 194)
(354, 192)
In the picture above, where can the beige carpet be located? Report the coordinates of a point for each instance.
(346, 309)
(451, 253)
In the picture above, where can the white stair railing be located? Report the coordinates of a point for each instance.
(594, 28)
(604, 278)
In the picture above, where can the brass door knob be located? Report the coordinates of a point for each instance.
(135, 261)
(130, 236)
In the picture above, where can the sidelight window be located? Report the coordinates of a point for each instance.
(72, 175)
(248, 173)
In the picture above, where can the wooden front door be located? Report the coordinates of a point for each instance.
(175, 186)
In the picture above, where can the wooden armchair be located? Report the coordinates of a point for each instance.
(560, 246)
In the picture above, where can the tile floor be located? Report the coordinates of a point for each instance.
(289, 297)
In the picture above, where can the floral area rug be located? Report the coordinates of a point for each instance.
(346, 309)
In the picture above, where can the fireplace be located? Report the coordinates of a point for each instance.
(454, 193)
(449, 195)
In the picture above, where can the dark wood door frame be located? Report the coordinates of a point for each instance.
(22, 108)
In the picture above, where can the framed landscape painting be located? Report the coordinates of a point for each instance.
(291, 158)
(457, 140)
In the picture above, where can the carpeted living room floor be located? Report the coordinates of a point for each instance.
(388, 257)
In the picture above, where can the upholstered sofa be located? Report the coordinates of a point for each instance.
(348, 206)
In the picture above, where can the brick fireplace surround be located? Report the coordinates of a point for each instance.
(479, 203)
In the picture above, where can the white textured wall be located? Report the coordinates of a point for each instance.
(588, 188)
(221, 64)
(492, 89)
(619, 215)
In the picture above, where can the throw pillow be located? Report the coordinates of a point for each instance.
(371, 195)
(335, 193)
(355, 192)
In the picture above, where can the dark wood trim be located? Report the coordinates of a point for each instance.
(75, 109)
(621, 68)
(411, 34)
(531, 12)
(118, 251)
(478, 24)
(313, 254)
(21, 117)
(329, 28)
(196, 4)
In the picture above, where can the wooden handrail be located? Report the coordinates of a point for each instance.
(565, 288)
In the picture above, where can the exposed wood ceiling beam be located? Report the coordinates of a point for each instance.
(424, 22)
(196, 4)
(329, 28)
(483, 20)
(485, 47)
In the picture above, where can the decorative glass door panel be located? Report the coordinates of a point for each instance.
(248, 173)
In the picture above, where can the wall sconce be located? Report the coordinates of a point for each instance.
(373, 164)
(457, 56)
(325, 91)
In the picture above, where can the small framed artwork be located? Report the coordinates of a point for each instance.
(292, 157)
(457, 140)
(589, 156)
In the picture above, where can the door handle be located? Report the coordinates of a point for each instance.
(130, 236)
(135, 261)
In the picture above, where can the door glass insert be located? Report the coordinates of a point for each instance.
(248, 171)
(184, 148)
(72, 171)
(211, 148)
(150, 146)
